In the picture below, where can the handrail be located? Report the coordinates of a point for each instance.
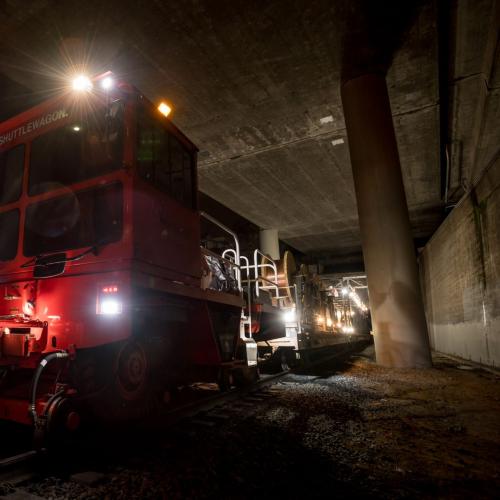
(247, 320)
(298, 309)
(236, 243)
(272, 265)
(229, 250)
(247, 267)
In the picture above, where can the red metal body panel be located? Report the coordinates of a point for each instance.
(166, 234)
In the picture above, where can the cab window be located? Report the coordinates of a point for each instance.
(163, 160)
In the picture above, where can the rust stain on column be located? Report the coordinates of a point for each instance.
(400, 329)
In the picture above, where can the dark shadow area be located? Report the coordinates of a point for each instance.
(375, 32)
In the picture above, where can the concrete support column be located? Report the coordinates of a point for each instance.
(270, 243)
(400, 329)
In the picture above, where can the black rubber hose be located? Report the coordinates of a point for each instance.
(36, 377)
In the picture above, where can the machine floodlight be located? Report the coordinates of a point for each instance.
(82, 83)
(107, 83)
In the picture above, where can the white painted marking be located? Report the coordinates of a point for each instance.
(326, 119)
(336, 142)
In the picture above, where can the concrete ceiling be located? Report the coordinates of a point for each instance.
(256, 85)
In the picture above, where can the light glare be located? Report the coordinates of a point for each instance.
(111, 306)
(164, 109)
(82, 83)
(107, 83)
(289, 316)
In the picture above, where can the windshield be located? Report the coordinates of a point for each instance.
(74, 220)
(81, 150)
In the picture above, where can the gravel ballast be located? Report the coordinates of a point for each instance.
(346, 429)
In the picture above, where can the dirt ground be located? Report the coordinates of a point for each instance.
(399, 433)
(348, 430)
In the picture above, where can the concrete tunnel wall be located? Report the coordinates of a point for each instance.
(460, 274)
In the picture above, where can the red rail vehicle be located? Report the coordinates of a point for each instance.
(107, 304)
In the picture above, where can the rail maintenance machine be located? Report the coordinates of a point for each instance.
(108, 303)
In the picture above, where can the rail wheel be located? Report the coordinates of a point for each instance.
(117, 382)
(58, 423)
(133, 392)
(132, 372)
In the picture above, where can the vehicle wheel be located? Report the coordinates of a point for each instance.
(128, 389)
(58, 424)
(132, 372)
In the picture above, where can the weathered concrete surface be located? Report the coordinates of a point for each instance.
(270, 243)
(460, 271)
(397, 312)
(474, 84)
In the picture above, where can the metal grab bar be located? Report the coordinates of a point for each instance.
(257, 266)
(232, 253)
(246, 321)
(245, 259)
(236, 244)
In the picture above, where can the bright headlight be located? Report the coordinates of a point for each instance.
(289, 316)
(107, 83)
(109, 300)
(82, 83)
(111, 306)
